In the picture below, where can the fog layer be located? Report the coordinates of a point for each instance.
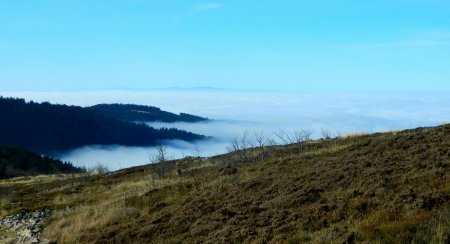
(236, 112)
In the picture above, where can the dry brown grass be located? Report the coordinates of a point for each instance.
(381, 188)
(32, 179)
(82, 219)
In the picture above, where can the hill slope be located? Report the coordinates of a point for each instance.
(381, 188)
(16, 162)
(139, 113)
(43, 127)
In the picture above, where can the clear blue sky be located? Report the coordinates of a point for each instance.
(284, 45)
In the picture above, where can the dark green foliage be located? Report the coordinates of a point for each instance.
(45, 128)
(15, 162)
(133, 113)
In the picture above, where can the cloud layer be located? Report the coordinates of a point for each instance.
(236, 112)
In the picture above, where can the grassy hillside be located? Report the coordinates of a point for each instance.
(16, 162)
(140, 113)
(380, 188)
(45, 128)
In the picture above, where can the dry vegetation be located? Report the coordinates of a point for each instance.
(381, 188)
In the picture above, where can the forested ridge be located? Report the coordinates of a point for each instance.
(46, 128)
(141, 113)
(17, 162)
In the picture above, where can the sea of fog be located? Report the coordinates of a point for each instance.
(234, 112)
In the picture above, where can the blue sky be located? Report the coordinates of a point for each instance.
(264, 45)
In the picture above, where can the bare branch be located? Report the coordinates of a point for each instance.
(326, 134)
(283, 136)
(260, 138)
(160, 156)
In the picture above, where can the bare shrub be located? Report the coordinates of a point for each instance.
(100, 169)
(260, 138)
(284, 137)
(235, 145)
(159, 158)
(197, 153)
(297, 137)
(301, 136)
(251, 147)
(326, 134)
(243, 147)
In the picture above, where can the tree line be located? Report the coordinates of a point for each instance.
(46, 128)
(134, 113)
(16, 162)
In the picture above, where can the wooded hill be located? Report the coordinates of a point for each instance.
(16, 162)
(140, 113)
(45, 128)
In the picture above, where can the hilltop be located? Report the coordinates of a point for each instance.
(140, 113)
(46, 128)
(381, 188)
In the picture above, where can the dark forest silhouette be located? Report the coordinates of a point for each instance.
(141, 113)
(17, 162)
(46, 128)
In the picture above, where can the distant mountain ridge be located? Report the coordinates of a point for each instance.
(141, 113)
(46, 128)
(16, 162)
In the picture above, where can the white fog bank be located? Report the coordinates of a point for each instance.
(236, 112)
